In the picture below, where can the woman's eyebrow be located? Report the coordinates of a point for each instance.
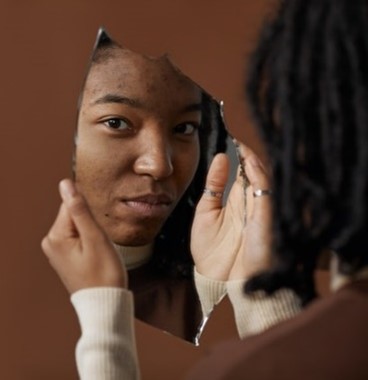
(136, 103)
(193, 107)
(114, 98)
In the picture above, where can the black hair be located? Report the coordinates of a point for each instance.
(172, 246)
(307, 86)
(171, 254)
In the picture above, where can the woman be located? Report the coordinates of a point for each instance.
(308, 88)
(309, 91)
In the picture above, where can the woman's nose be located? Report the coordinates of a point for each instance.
(155, 158)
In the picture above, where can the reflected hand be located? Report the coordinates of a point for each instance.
(217, 231)
(78, 249)
(224, 245)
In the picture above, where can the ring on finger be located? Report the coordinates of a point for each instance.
(261, 192)
(211, 193)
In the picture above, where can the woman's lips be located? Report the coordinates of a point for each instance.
(151, 206)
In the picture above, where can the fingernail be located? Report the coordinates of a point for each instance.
(67, 189)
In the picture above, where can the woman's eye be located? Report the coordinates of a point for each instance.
(116, 123)
(186, 128)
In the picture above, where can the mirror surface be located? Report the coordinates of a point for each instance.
(145, 136)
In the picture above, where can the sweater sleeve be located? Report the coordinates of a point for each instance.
(257, 312)
(210, 293)
(106, 349)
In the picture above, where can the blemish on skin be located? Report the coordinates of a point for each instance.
(107, 215)
(151, 89)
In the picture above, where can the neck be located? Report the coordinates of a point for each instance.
(134, 257)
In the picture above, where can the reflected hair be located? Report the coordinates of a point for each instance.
(172, 246)
(308, 89)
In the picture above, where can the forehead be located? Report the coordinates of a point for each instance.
(156, 82)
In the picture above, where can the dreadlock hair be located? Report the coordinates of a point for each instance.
(171, 254)
(307, 86)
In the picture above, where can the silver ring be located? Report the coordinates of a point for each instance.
(261, 193)
(211, 193)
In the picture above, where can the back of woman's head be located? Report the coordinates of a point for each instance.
(308, 87)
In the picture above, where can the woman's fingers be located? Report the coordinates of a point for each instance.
(61, 229)
(77, 247)
(74, 221)
(215, 184)
(255, 252)
(256, 174)
(79, 212)
(259, 191)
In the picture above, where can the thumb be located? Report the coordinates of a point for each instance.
(78, 210)
(215, 184)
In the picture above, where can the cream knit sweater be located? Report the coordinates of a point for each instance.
(106, 349)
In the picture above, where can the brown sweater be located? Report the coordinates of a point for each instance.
(329, 340)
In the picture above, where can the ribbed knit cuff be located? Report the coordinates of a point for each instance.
(210, 292)
(257, 312)
(106, 308)
(106, 349)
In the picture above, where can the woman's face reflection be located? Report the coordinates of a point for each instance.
(137, 145)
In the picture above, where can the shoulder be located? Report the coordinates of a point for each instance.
(328, 340)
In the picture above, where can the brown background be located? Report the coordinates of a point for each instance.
(45, 46)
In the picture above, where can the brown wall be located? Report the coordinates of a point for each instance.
(44, 50)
